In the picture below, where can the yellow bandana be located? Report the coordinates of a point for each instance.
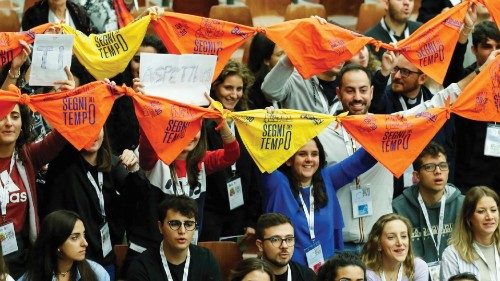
(272, 138)
(105, 55)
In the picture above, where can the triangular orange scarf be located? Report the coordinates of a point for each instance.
(313, 47)
(395, 141)
(480, 100)
(9, 99)
(187, 34)
(9, 42)
(122, 13)
(78, 114)
(431, 47)
(169, 125)
(493, 7)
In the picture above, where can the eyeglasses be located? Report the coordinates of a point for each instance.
(431, 167)
(403, 71)
(277, 241)
(176, 224)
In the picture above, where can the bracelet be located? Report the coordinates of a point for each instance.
(14, 76)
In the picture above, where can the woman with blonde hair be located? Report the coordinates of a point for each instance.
(388, 252)
(475, 240)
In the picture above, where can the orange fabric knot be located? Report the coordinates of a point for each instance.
(260, 29)
(129, 91)
(24, 99)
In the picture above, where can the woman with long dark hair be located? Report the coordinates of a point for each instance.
(59, 251)
(252, 269)
(304, 190)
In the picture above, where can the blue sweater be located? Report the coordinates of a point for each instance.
(278, 197)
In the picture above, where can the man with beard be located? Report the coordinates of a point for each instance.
(406, 91)
(276, 240)
(395, 25)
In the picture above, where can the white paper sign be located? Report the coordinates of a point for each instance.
(183, 78)
(51, 53)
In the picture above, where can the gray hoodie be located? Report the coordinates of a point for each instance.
(407, 205)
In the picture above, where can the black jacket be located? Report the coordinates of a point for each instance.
(68, 188)
(148, 266)
(38, 14)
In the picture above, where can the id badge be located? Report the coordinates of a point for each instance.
(195, 237)
(434, 268)
(492, 141)
(235, 193)
(361, 202)
(105, 240)
(314, 255)
(8, 183)
(8, 237)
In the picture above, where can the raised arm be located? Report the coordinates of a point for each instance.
(275, 86)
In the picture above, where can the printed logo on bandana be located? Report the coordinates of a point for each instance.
(181, 29)
(311, 117)
(369, 124)
(431, 118)
(338, 46)
(481, 101)
(153, 109)
(430, 52)
(453, 23)
(79, 111)
(176, 129)
(5, 56)
(110, 44)
(236, 31)
(209, 29)
(398, 134)
(495, 78)
(275, 134)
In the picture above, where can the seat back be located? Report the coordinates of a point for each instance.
(120, 254)
(342, 7)
(232, 13)
(194, 7)
(304, 10)
(369, 15)
(267, 7)
(10, 21)
(227, 253)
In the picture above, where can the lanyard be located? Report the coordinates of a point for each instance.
(309, 214)
(350, 145)
(428, 222)
(4, 179)
(175, 182)
(493, 277)
(233, 167)
(391, 33)
(167, 269)
(98, 190)
(400, 274)
(289, 273)
(403, 103)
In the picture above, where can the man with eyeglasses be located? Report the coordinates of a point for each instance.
(431, 205)
(176, 259)
(276, 240)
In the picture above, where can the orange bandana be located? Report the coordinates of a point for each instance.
(169, 125)
(9, 42)
(395, 141)
(494, 9)
(122, 13)
(187, 34)
(314, 47)
(480, 100)
(431, 46)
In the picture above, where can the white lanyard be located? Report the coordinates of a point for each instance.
(176, 181)
(309, 214)
(400, 274)
(167, 269)
(233, 167)
(428, 222)
(98, 190)
(350, 144)
(5, 193)
(403, 103)
(391, 33)
(289, 273)
(493, 277)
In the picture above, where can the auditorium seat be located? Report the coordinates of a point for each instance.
(304, 10)
(369, 15)
(194, 7)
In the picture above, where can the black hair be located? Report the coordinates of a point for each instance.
(56, 229)
(248, 265)
(269, 220)
(484, 30)
(318, 190)
(432, 149)
(352, 67)
(182, 204)
(261, 49)
(328, 271)
(463, 276)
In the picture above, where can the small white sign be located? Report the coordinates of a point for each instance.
(51, 53)
(183, 78)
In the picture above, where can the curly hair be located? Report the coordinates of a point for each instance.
(235, 68)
